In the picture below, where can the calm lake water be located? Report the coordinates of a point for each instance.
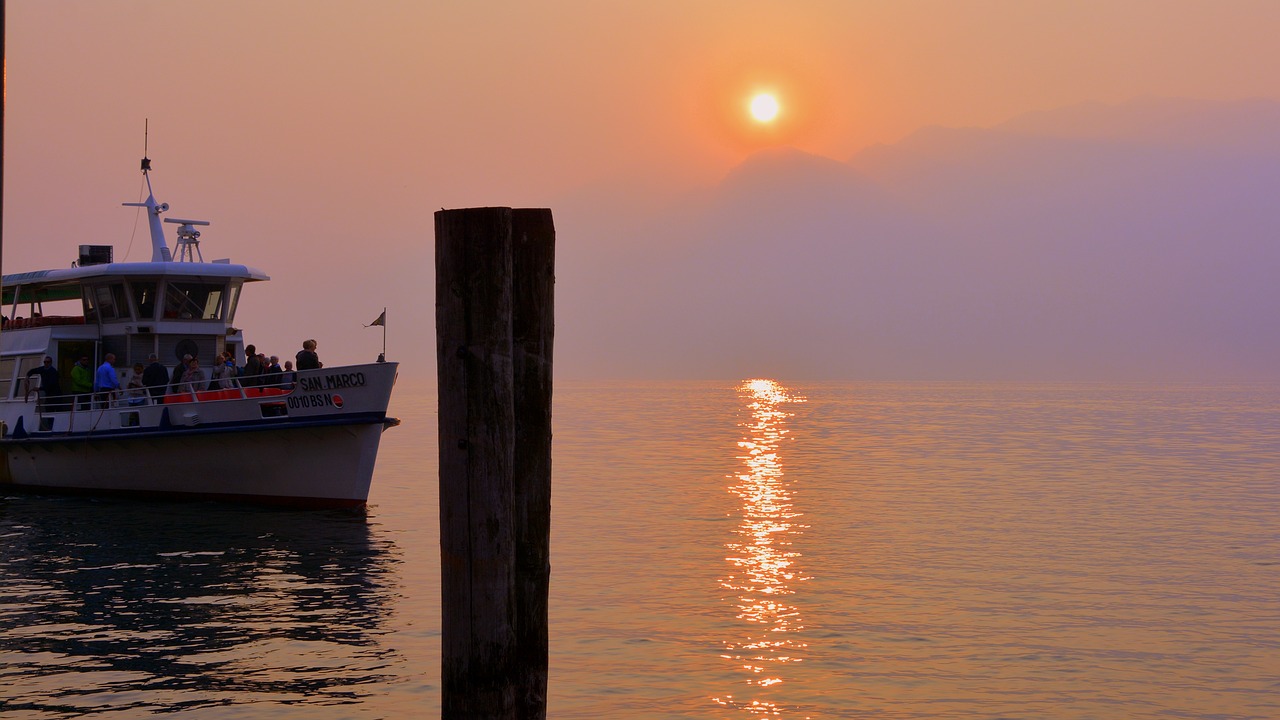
(731, 550)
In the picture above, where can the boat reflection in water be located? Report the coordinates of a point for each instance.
(763, 564)
(136, 608)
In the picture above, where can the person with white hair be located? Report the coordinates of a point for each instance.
(219, 373)
(179, 370)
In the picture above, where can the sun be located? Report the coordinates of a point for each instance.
(764, 107)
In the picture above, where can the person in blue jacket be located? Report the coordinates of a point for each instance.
(105, 382)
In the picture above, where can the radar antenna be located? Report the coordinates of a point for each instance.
(188, 239)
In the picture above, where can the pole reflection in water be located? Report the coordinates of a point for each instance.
(763, 568)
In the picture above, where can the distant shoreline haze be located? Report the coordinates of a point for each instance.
(1130, 242)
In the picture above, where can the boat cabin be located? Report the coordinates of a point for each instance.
(129, 309)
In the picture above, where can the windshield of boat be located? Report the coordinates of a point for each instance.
(193, 300)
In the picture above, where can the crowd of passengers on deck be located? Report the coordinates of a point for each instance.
(152, 382)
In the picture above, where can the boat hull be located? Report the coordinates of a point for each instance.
(315, 456)
(303, 466)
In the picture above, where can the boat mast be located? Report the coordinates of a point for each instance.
(159, 249)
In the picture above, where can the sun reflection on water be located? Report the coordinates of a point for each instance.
(763, 566)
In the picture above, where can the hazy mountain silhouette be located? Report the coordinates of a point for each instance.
(1245, 125)
(1130, 242)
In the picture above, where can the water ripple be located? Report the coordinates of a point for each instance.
(111, 607)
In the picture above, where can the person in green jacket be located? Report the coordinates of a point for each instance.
(82, 382)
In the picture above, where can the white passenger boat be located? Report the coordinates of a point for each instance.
(307, 441)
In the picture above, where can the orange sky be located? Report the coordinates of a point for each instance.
(319, 136)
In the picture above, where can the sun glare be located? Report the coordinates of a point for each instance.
(760, 107)
(764, 107)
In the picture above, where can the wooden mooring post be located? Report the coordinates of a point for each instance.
(494, 328)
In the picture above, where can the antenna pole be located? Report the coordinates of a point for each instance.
(4, 58)
(146, 142)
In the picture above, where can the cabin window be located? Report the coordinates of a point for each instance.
(26, 363)
(232, 301)
(193, 301)
(90, 306)
(144, 299)
(6, 376)
(103, 299)
(105, 302)
(23, 364)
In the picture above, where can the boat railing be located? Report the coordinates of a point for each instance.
(235, 388)
(232, 389)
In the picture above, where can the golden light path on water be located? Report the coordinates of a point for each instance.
(763, 569)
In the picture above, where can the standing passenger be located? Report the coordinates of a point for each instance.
(82, 382)
(193, 379)
(273, 372)
(252, 366)
(50, 385)
(155, 377)
(136, 390)
(218, 373)
(105, 382)
(179, 370)
(307, 357)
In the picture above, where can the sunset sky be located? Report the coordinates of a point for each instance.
(319, 136)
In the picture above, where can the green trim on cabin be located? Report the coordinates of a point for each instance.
(41, 293)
